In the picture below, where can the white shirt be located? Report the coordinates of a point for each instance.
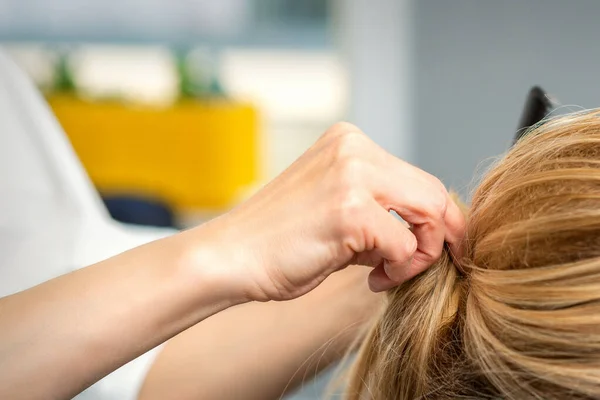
(51, 218)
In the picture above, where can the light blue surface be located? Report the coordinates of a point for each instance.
(315, 388)
(240, 23)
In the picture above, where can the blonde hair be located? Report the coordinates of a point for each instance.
(519, 318)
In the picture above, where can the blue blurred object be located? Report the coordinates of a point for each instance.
(139, 210)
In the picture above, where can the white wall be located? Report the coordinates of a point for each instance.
(375, 36)
(124, 18)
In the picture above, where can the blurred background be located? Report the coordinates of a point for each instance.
(188, 105)
(179, 109)
(195, 103)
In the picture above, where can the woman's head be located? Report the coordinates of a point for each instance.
(519, 318)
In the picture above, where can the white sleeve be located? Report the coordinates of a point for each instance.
(124, 383)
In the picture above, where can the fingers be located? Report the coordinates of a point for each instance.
(393, 245)
(455, 228)
(430, 239)
(392, 258)
(424, 202)
(418, 197)
(421, 204)
(379, 281)
(446, 226)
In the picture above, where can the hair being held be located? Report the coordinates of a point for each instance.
(519, 318)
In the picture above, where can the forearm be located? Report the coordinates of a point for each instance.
(261, 350)
(61, 336)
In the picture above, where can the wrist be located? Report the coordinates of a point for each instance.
(206, 260)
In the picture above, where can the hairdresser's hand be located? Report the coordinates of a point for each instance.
(328, 210)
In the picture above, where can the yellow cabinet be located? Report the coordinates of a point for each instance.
(192, 155)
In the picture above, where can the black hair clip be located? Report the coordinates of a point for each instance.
(537, 106)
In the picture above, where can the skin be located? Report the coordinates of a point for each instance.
(325, 212)
(270, 348)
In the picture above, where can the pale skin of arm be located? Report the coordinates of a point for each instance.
(270, 348)
(327, 211)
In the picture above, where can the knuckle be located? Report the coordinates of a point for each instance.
(350, 209)
(348, 140)
(344, 127)
(349, 163)
(438, 184)
(349, 152)
(437, 205)
(352, 204)
(351, 170)
(349, 144)
(431, 255)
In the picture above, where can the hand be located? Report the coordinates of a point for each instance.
(330, 209)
